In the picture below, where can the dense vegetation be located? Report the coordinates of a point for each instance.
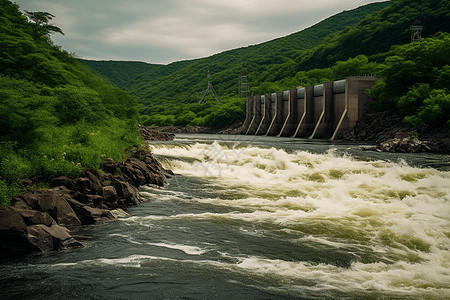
(57, 116)
(184, 82)
(350, 43)
(120, 72)
(208, 113)
(416, 81)
(378, 31)
(219, 114)
(372, 37)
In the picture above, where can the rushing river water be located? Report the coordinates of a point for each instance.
(263, 218)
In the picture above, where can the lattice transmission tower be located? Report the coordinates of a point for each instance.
(416, 32)
(243, 85)
(209, 88)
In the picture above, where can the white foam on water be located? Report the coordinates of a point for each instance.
(392, 209)
(126, 237)
(191, 250)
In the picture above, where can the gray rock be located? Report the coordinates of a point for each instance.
(57, 208)
(45, 238)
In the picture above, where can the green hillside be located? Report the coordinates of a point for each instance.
(350, 43)
(57, 116)
(120, 72)
(378, 32)
(184, 81)
(372, 38)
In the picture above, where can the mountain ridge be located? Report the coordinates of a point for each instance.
(290, 46)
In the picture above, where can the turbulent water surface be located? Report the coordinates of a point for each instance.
(263, 218)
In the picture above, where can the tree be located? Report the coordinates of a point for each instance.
(40, 21)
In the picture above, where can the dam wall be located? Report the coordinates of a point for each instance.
(320, 111)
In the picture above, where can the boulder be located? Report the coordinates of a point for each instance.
(13, 233)
(83, 185)
(152, 134)
(27, 200)
(123, 189)
(149, 167)
(91, 200)
(127, 191)
(169, 173)
(109, 194)
(134, 173)
(62, 190)
(110, 166)
(57, 208)
(94, 177)
(107, 180)
(62, 181)
(90, 215)
(55, 237)
(34, 217)
(21, 204)
(405, 145)
(120, 213)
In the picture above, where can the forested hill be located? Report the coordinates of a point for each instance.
(362, 40)
(374, 35)
(120, 72)
(187, 79)
(57, 116)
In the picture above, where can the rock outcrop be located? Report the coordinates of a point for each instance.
(153, 134)
(40, 220)
(405, 145)
(387, 131)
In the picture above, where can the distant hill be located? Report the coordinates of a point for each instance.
(120, 72)
(369, 30)
(375, 35)
(184, 81)
(366, 40)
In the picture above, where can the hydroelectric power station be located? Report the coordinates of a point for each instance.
(320, 111)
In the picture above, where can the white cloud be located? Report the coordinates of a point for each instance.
(161, 31)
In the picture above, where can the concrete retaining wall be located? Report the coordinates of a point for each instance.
(320, 111)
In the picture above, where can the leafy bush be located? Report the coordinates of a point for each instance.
(416, 81)
(412, 100)
(57, 116)
(436, 108)
(209, 113)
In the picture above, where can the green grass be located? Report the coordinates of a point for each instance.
(67, 150)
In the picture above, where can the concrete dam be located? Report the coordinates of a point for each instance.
(320, 111)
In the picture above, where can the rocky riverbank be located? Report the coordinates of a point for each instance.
(154, 134)
(233, 127)
(387, 132)
(41, 220)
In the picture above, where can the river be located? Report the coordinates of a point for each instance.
(263, 218)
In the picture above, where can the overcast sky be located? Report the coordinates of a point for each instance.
(163, 31)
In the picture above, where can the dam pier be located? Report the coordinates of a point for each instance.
(321, 111)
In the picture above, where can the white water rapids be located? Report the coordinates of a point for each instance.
(270, 218)
(392, 218)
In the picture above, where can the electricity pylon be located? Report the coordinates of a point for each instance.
(243, 85)
(209, 88)
(416, 33)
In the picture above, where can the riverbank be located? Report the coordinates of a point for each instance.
(387, 132)
(257, 211)
(384, 130)
(41, 220)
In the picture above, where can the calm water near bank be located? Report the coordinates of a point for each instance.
(263, 218)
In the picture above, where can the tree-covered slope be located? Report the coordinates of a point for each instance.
(184, 81)
(120, 72)
(57, 116)
(377, 32)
